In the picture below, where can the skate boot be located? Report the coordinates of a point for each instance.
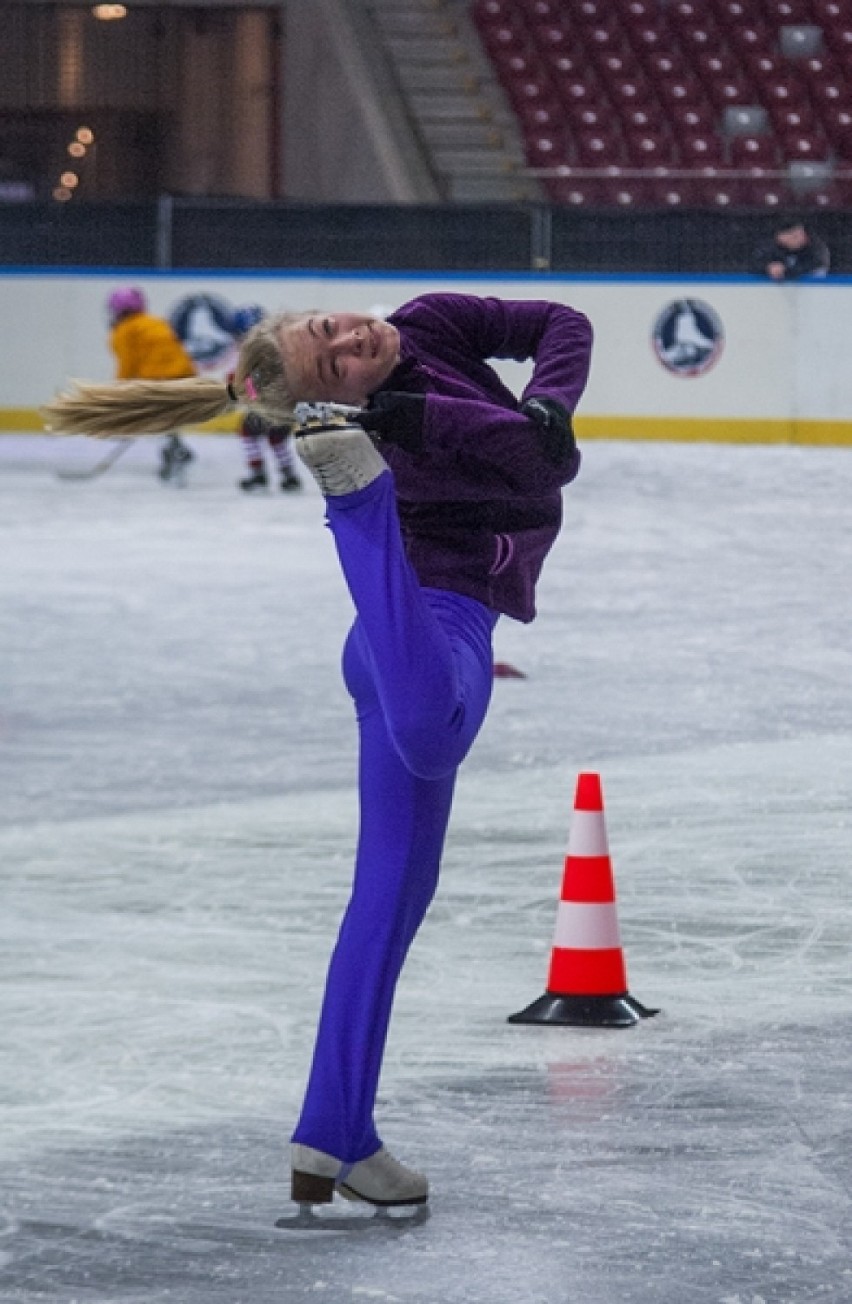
(290, 482)
(339, 454)
(175, 458)
(257, 480)
(379, 1180)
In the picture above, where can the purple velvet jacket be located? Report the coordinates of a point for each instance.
(481, 504)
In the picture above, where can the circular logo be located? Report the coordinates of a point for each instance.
(203, 324)
(688, 337)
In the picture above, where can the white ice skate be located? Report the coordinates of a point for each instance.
(379, 1181)
(338, 453)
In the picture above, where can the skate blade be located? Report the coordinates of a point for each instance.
(361, 1217)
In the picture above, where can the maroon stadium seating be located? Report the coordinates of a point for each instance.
(642, 86)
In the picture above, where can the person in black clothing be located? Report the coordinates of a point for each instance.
(792, 254)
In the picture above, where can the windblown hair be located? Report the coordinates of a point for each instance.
(151, 407)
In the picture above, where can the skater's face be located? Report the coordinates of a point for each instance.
(340, 357)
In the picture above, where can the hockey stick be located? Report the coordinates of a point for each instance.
(99, 467)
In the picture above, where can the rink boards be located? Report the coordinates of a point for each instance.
(704, 358)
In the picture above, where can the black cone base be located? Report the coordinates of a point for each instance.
(584, 1011)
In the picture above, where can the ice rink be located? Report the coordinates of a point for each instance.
(177, 817)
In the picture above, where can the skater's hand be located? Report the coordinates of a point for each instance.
(553, 422)
(397, 418)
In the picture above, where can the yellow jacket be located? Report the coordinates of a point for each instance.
(147, 348)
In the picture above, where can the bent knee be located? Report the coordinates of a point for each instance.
(429, 752)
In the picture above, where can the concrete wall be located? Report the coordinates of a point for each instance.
(777, 369)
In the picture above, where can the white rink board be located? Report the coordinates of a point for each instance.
(785, 354)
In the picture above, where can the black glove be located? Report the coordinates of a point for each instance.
(396, 418)
(554, 425)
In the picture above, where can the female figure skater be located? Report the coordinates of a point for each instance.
(442, 516)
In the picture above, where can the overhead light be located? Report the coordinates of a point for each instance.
(85, 135)
(107, 13)
(62, 194)
(76, 150)
(69, 179)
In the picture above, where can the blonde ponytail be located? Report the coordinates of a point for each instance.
(152, 407)
(136, 407)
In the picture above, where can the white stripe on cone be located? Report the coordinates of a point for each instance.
(587, 835)
(586, 926)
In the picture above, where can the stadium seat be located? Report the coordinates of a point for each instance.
(784, 92)
(591, 117)
(627, 192)
(700, 39)
(830, 93)
(786, 120)
(574, 91)
(835, 194)
(819, 67)
(560, 64)
(542, 11)
(837, 122)
(591, 13)
(615, 65)
(598, 149)
(639, 13)
(600, 40)
(539, 115)
(547, 149)
(800, 40)
(666, 63)
(526, 92)
(745, 120)
(762, 194)
(675, 192)
(804, 146)
(701, 150)
(680, 90)
(828, 13)
(737, 13)
(714, 64)
(492, 12)
(576, 192)
(629, 92)
(648, 40)
(754, 153)
(723, 193)
(785, 13)
(650, 148)
(552, 37)
(691, 13)
(643, 117)
(504, 39)
(839, 41)
(692, 118)
(729, 91)
(750, 38)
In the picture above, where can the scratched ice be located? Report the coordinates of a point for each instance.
(176, 791)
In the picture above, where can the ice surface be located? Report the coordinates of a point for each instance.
(176, 824)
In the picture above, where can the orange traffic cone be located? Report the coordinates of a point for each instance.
(587, 984)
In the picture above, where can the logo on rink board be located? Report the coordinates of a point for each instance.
(688, 337)
(203, 324)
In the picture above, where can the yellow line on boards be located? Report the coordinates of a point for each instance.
(715, 430)
(711, 430)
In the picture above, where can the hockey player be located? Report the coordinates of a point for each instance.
(444, 496)
(146, 348)
(254, 429)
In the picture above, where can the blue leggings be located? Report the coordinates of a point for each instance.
(418, 664)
